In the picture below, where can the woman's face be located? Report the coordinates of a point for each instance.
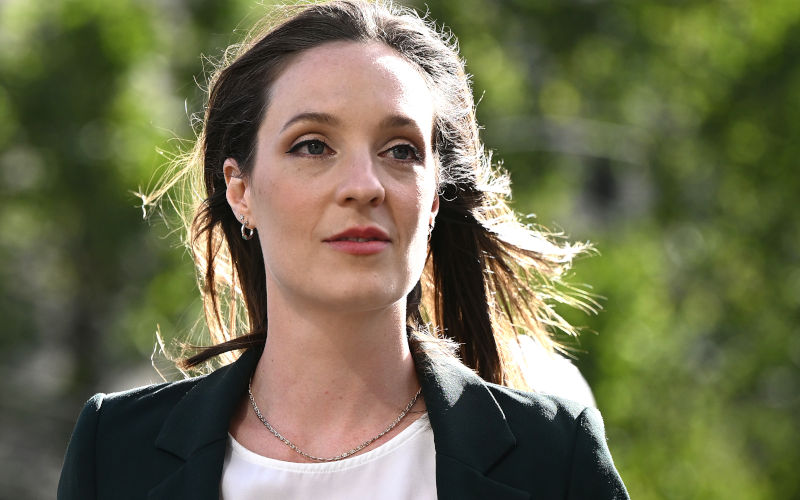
(343, 186)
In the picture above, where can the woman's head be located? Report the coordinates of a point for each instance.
(487, 275)
(342, 184)
(242, 94)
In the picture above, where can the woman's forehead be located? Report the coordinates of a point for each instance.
(352, 80)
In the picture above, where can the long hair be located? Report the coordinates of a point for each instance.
(488, 278)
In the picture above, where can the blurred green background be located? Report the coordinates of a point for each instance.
(666, 132)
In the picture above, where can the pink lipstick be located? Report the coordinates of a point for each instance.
(360, 240)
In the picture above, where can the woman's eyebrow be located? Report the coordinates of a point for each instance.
(311, 116)
(401, 121)
(393, 121)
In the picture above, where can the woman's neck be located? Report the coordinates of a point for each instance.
(329, 380)
(353, 356)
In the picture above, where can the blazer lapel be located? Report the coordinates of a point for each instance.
(469, 430)
(196, 431)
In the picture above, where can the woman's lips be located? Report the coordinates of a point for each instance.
(362, 240)
(367, 247)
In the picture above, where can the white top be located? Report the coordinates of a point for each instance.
(403, 467)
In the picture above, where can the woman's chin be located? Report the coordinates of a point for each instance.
(361, 299)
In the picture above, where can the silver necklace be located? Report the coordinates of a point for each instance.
(337, 457)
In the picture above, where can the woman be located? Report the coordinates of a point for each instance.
(345, 188)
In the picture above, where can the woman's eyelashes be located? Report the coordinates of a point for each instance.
(315, 147)
(403, 152)
(310, 147)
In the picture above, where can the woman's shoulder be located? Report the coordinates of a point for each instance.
(148, 398)
(550, 406)
(555, 435)
(132, 416)
(116, 445)
(552, 422)
(530, 441)
(456, 386)
(535, 407)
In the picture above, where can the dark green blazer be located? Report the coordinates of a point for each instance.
(168, 441)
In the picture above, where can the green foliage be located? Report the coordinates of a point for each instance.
(665, 132)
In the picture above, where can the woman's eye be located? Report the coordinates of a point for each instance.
(404, 152)
(313, 147)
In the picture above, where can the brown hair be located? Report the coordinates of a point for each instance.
(488, 276)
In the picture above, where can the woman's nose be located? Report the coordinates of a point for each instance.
(360, 182)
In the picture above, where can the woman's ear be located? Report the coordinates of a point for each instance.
(238, 189)
(434, 210)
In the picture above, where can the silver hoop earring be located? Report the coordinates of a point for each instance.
(247, 233)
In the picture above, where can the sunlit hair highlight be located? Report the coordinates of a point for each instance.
(489, 276)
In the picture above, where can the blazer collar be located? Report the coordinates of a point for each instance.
(469, 428)
(196, 431)
(203, 415)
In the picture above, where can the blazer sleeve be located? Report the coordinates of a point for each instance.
(593, 475)
(78, 479)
